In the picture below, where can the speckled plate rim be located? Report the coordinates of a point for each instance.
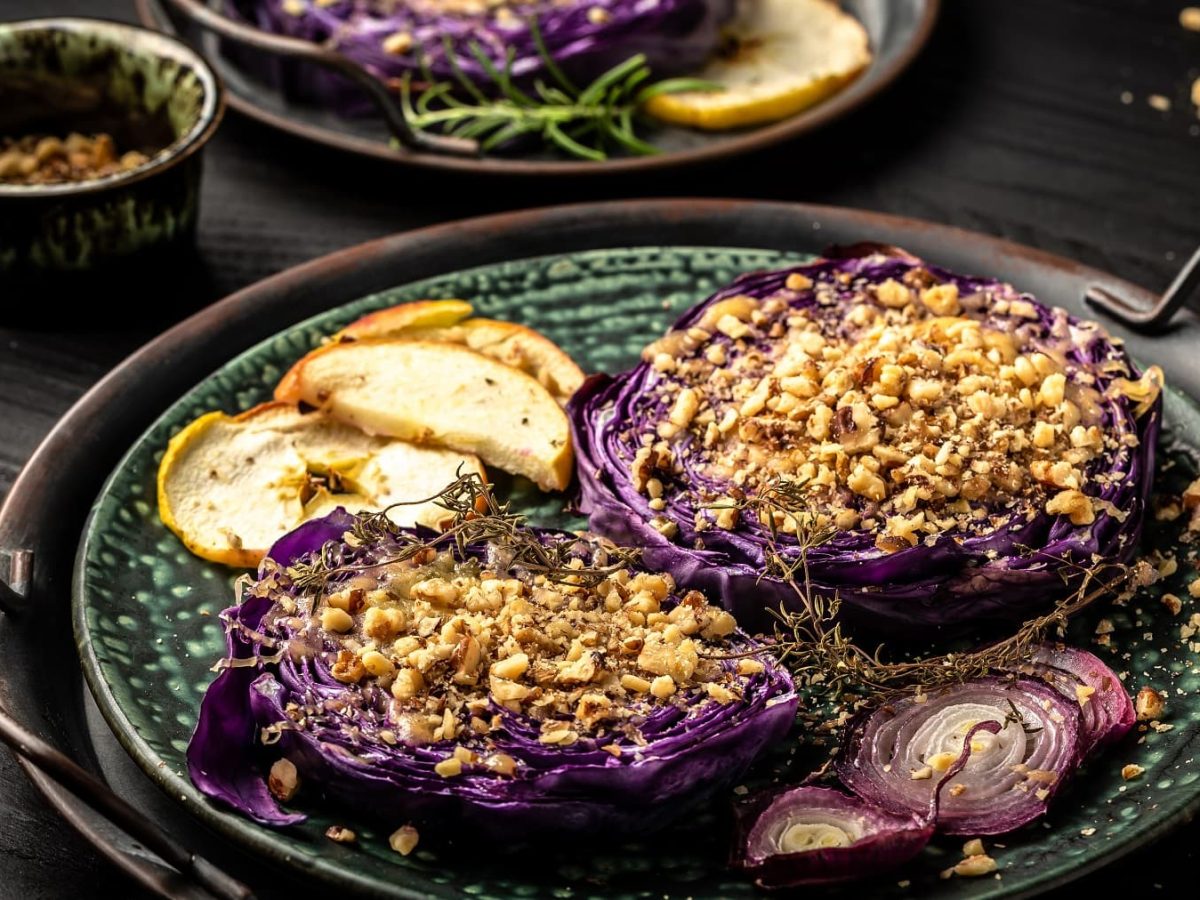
(184, 354)
(150, 14)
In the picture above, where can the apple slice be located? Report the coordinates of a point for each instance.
(439, 393)
(512, 344)
(404, 317)
(229, 486)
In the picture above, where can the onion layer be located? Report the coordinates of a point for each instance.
(897, 755)
(815, 835)
(1106, 709)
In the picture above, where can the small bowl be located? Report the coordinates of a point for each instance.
(149, 92)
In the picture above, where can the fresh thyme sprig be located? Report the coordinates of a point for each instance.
(587, 123)
(810, 639)
(476, 517)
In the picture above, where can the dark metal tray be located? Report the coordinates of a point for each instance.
(40, 682)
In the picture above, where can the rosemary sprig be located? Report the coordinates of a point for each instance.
(586, 123)
(476, 517)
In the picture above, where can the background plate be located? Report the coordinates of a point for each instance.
(146, 622)
(898, 29)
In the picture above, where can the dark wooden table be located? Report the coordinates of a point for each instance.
(1024, 119)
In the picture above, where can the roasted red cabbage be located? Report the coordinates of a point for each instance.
(583, 37)
(348, 748)
(907, 575)
(813, 835)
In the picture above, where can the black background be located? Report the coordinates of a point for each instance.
(1026, 119)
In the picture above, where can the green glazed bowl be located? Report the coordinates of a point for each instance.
(146, 90)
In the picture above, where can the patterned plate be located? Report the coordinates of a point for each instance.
(145, 618)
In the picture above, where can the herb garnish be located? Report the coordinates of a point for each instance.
(586, 123)
(811, 642)
(477, 517)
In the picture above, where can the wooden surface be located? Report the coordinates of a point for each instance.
(1025, 118)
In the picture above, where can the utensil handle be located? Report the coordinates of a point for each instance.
(15, 584)
(295, 48)
(101, 798)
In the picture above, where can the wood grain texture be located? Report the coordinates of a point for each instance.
(1012, 123)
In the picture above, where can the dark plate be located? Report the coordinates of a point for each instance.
(898, 30)
(49, 502)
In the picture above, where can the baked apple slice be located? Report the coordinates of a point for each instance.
(439, 393)
(229, 486)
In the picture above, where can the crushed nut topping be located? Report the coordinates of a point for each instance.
(46, 159)
(442, 648)
(900, 407)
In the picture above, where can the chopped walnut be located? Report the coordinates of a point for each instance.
(404, 840)
(1149, 704)
(283, 780)
(975, 866)
(897, 407)
(1075, 505)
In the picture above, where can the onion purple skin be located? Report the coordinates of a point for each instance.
(564, 792)
(893, 841)
(1109, 713)
(676, 36)
(912, 594)
(860, 764)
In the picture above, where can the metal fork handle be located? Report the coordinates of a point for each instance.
(101, 798)
(63, 770)
(1158, 316)
(14, 586)
(323, 55)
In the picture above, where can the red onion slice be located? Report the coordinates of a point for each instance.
(815, 835)
(897, 756)
(1107, 712)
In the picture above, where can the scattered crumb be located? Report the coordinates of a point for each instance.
(903, 884)
(973, 847)
(1159, 102)
(1173, 604)
(1126, 97)
(1087, 832)
(1131, 771)
(340, 834)
(1189, 18)
(1196, 92)
(972, 867)
(404, 840)
(1149, 703)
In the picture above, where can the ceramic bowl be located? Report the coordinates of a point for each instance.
(149, 92)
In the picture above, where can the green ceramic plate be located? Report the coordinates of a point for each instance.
(145, 618)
